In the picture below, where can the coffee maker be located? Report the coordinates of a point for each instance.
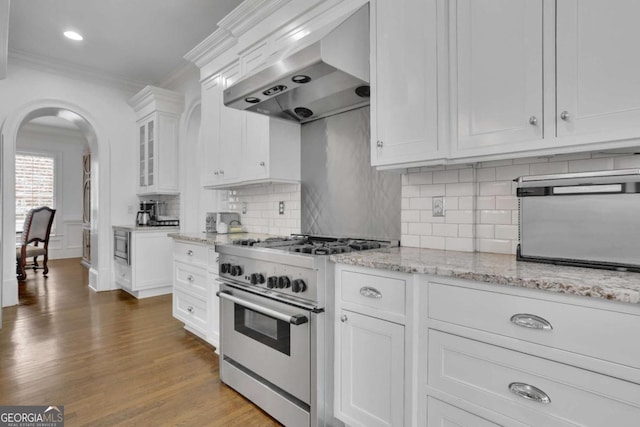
(144, 215)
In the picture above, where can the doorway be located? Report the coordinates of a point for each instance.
(99, 270)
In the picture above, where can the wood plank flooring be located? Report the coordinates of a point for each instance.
(111, 359)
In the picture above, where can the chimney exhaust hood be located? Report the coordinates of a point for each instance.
(327, 73)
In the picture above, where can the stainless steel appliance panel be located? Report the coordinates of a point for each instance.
(342, 195)
(122, 246)
(271, 347)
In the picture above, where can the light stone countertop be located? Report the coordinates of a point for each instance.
(501, 269)
(137, 228)
(213, 239)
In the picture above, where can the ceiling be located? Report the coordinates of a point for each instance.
(141, 41)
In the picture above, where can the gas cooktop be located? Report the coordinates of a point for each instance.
(314, 245)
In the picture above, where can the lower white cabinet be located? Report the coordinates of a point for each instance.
(370, 380)
(442, 414)
(195, 270)
(149, 272)
(371, 356)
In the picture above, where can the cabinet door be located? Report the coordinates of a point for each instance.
(370, 371)
(151, 148)
(230, 150)
(496, 75)
(256, 146)
(598, 83)
(210, 130)
(404, 82)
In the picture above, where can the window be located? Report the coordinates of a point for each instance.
(34, 184)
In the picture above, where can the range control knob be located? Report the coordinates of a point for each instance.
(272, 282)
(299, 286)
(256, 278)
(284, 282)
(236, 270)
(225, 268)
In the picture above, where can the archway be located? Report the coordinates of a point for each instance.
(100, 269)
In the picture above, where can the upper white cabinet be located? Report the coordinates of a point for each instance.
(598, 84)
(158, 111)
(243, 147)
(404, 95)
(496, 75)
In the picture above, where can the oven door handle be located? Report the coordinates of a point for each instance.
(296, 319)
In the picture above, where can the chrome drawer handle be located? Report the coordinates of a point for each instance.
(529, 392)
(531, 321)
(190, 278)
(190, 252)
(366, 291)
(190, 309)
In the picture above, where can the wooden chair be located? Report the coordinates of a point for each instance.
(37, 228)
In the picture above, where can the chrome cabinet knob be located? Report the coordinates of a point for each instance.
(564, 115)
(262, 163)
(343, 318)
(221, 172)
(190, 278)
(379, 144)
(216, 173)
(533, 120)
(190, 309)
(190, 252)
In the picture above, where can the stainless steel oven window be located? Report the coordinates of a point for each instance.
(264, 329)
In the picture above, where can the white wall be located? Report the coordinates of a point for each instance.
(106, 104)
(67, 146)
(195, 201)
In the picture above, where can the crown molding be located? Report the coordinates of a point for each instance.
(211, 47)
(177, 74)
(65, 69)
(155, 98)
(248, 14)
(4, 37)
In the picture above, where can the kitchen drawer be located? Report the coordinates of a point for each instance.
(190, 253)
(593, 332)
(372, 294)
(483, 374)
(191, 279)
(122, 273)
(190, 310)
(442, 414)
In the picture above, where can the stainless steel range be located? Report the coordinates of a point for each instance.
(276, 323)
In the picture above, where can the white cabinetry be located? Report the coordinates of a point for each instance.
(158, 112)
(496, 75)
(530, 357)
(244, 147)
(195, 270)
(598, 85)
(149, 273)
(370, 370)
(404, 95)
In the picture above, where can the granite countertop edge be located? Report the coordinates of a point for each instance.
(501, 270)
(212, 239)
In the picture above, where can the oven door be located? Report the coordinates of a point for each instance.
(121, 246)
(267, 337)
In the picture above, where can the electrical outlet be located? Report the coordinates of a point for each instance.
(438, 206)
(281, 208)
(244, 207)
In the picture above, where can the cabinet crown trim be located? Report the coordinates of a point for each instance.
(161, 99)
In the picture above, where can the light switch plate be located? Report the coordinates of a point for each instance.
(438, 206)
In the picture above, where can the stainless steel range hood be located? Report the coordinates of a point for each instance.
(327, 73)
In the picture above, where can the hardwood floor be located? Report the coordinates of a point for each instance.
(111, 359)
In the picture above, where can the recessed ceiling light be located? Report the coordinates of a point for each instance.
(72, 35)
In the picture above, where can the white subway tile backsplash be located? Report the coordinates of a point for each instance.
(459, 217)
(410, 191)
(465, 230)
(445, 177)
(549, 168)
(419, 228)
(432, 242)
(446, 230)
(591, 165)
(496, 163)
(485, 231)
(465, 203)
(496, 188)
(626, 162)
(421, 178)
(410, 215)
(459, 244)
(509, 173)
(495, 246)
(466, 175)
(506, 232)
(411, 241)
(486, 174)
(495, 217)
(507, 202)
(432, 190)
(451, 203)
(486, 202)
(460, 189)
(420, 203)
(427, 216)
